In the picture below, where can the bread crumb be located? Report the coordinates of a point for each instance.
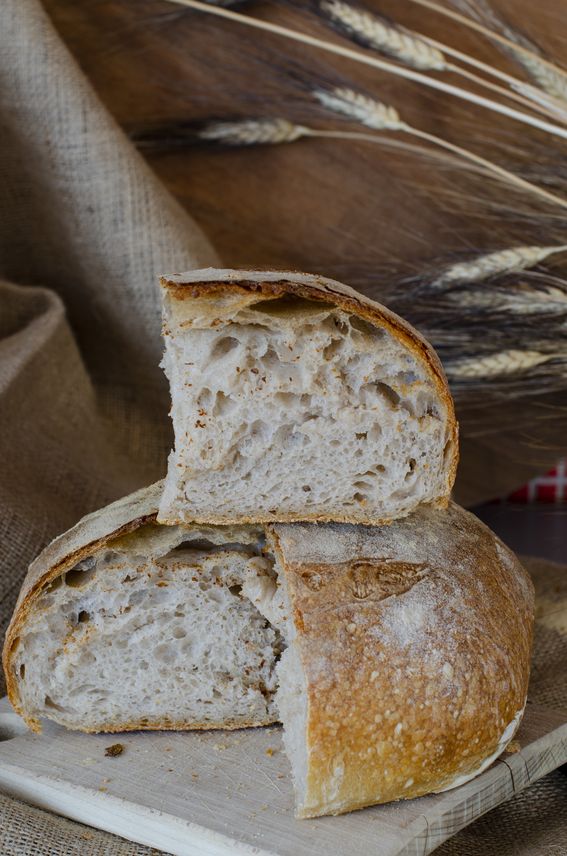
(270, 752)
(512, 747)
(114, 750)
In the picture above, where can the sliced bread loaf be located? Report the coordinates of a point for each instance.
(296, 398)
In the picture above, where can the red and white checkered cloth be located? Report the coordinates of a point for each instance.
(552, 487)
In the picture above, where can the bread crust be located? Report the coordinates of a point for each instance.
(213, 282)
(415, 640)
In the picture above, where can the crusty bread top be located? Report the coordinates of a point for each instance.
(415, 639)
(222, 283)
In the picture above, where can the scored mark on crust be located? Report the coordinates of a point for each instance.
(379, 580)
(371, 579)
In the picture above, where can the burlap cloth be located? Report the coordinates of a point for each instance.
(84, 226)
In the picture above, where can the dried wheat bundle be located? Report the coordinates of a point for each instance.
(415, 75)
(426, 54)
(522, 315)
(486, 285)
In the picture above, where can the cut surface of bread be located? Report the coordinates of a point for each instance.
(397, 657)
(126, 638)
(295, 398)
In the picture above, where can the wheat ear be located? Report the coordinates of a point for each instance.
(530, 55)
(506, 261)
(375, 62)
(551, 79)
(520, 299)
(400, 44)
(370, 113)
(493, 365)
(421, 52)
(250, 132)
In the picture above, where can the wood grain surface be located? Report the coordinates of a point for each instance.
(219, 793)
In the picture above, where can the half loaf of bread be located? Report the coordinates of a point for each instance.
(296, 398)
(397, 657)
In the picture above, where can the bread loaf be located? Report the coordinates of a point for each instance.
(397, 657)
(296, 398)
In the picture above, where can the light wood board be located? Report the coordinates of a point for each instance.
(221, 793)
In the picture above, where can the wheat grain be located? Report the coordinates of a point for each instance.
(374, 114)
(249, 132)
(494, 365)
(388, 39)
(493, 264)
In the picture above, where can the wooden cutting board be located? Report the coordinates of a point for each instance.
(230, 793)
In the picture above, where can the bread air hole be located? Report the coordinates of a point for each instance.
(388, 393)
(224, 346)
(289, 305)
(81, 574)
(51, 705)
(203, 545)
(411, 469)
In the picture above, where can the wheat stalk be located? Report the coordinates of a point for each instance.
(529, 55)
(375, 62)
(549, 77)
(249, 132)
(492, 264)
(494, 365)
(371, 113)
(424, 53)
(273, 131)
(552, 105)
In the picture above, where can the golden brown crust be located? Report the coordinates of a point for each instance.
(415, 640)
(274, 284)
